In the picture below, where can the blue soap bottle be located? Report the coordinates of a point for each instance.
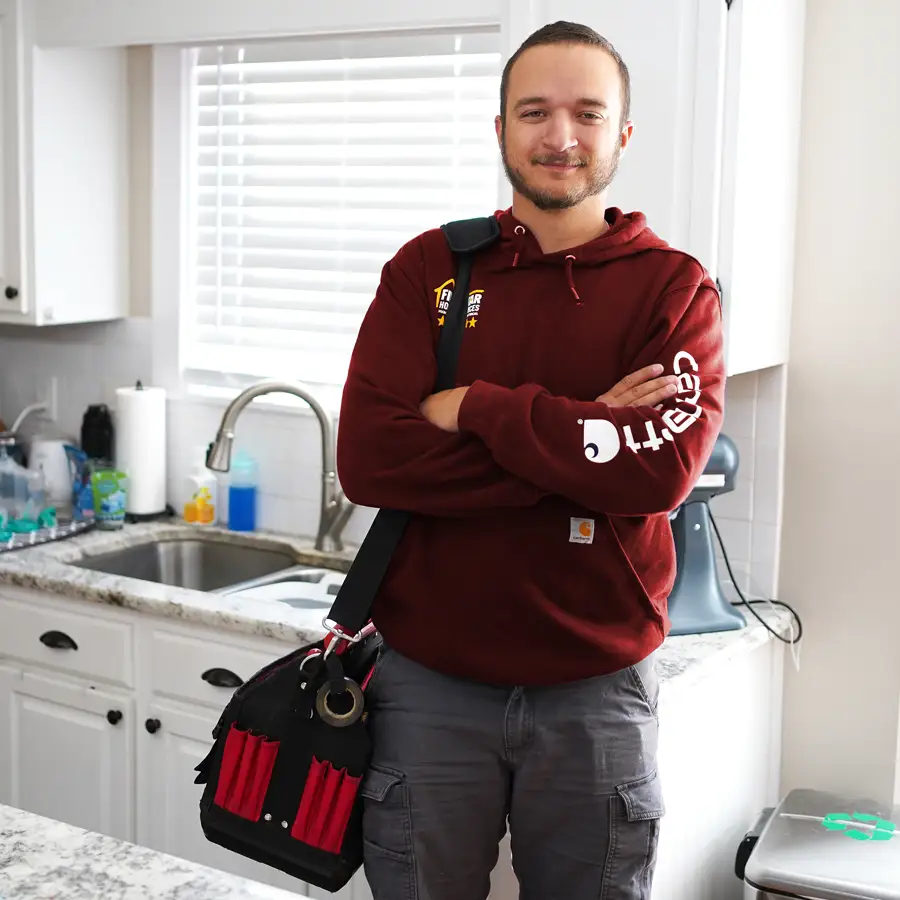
(242, 493)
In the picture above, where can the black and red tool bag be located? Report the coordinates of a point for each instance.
(282, 780)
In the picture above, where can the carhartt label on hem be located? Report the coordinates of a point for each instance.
(581, 531)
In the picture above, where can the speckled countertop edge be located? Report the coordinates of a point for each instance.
(49, 568)
(43, 858)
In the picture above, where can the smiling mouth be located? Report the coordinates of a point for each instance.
(558, 166)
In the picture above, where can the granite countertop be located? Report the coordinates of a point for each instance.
(48, 568)
(42, 859)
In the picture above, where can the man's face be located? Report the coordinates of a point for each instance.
(561, 140)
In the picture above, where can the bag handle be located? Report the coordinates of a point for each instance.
(350, 610)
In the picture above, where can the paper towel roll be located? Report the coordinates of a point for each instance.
(141, 446)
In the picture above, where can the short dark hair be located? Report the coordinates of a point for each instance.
(569, 33)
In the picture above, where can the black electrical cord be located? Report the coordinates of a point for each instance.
(744, 600)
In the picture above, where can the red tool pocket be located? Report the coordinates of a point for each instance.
(325, 807)
(246, 770)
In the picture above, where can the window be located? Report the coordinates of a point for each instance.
(311, 162)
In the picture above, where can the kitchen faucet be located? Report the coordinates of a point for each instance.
(334, 509)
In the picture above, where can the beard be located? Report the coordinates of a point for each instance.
(600, 173)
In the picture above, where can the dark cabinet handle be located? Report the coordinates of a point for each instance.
(114, 716)
(58, 640)
(222, 678)
(152, 725)
(11, 292)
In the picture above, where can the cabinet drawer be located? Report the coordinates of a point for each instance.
(67, 641)
(179, 664)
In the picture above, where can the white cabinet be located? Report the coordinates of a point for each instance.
(760, 170)
(67, 750)
(168, 800)
(183, 708)
(11, 297)
(104, 715)
(63, 178)
(9, 677)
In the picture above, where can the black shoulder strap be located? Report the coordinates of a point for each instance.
(351, 607)
(465, 237)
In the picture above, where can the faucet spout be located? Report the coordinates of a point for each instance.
(334, 508)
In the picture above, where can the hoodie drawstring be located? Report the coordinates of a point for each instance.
(571, 279)
(519, 231)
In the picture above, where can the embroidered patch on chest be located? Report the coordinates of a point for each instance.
(581, 531)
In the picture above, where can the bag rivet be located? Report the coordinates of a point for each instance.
(284, 824)
(268, 817)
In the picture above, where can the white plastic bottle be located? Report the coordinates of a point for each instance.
(201, 503)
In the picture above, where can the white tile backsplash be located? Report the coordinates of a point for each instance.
(91, 361)
(749, 516)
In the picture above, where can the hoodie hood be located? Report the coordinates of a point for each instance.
(627, 235)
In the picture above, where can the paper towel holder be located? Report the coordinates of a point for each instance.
(166, 511)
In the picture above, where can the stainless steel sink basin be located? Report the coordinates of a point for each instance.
(203, 565)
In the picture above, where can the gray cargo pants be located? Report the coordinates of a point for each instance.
(572, 768)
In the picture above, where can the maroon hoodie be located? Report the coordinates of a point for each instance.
(539, 549)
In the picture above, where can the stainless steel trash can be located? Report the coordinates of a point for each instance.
(820, 846)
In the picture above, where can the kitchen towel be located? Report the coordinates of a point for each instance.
(141, 447)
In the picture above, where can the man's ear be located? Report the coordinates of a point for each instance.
(498, 128)
(625, 137)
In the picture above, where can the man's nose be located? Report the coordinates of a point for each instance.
(560, 135)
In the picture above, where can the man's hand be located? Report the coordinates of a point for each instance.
(642, 388)
(442, 408)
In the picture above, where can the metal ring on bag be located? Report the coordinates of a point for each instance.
(340, 720)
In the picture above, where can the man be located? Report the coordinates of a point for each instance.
(523, 607)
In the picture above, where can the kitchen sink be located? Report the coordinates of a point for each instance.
(203, 565)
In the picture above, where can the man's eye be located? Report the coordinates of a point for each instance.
(592, 115)
(532, 113)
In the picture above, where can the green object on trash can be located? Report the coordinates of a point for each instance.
(839, 821)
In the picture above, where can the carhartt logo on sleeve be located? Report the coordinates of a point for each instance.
(602, 441)
(581, 531)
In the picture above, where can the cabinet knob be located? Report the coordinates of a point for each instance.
(11, 292)
(58, 640)
(114, 716)
(152, 725)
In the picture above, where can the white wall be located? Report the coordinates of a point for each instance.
(842, 480)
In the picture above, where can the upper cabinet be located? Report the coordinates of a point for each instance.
(714, 158)
(63, 178)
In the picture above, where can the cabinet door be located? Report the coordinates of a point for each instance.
(9, 678)
(12, 293)
(674, 53)
(760, 175)
(169, 801)
(71, 748)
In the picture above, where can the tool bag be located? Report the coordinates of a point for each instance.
(291, 748)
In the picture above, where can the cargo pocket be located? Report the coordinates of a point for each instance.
(387, 835)
(635, 811)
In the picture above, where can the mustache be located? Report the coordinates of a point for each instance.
(558, 159)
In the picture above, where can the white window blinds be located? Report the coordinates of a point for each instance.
(312, 161)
